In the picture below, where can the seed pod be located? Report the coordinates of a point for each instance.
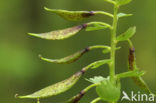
(59, 87)
(68, 59)
(60, 34)
(132, 66)
(55, 89)
(71, 15)
(75, 56)
(131, 58)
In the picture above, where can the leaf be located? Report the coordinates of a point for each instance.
(68, 59)
(108, 91)
(55, 89)
(96, 79)
(134, 73)
(100, 63)
(121, 15)
(127, 35)
(72, 15)
(96, 27)
(123, 2)
(60, 34)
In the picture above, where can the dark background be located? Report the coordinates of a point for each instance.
(22, 72)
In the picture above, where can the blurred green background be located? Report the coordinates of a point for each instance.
(22, 72)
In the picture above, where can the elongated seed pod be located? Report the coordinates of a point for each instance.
(60, 34)
(76, 15)
(59, 87)
(75, 56)
(71, 15)
(56, 88)
(68, 59)
(132, 66)
(131, 58)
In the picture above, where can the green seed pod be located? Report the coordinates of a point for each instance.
(60, 34)
(132, 66)
(59, 87)
(75, 56)
(131, 59)
(68, 59)
(55, 89)
(71, 15)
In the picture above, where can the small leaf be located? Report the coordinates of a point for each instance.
(100, 63)
(72, 15)
(120, 15)
(55, 89)
(60, 34)
(134, 73)
(108, 91)
(68, 59)
(95, 27)
(123, 2)
(127, 35)
(96, 79)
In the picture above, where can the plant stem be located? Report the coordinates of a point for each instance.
(76, 98)
(113, 44)
(96, 100)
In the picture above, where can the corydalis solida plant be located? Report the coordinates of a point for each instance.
(109, 88)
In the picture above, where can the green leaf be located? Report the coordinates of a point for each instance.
(100, 63)
(108, 91)
(127, 35)
(60, 34)
(121, 15)
(96, 27)
(96, 79)
(134, 73)
(71, 15)
(123, 2)
(55, 89)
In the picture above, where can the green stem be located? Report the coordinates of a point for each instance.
(100, 46)
(96, 100)
(113, 44)
(80, 95)
(104, 13)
